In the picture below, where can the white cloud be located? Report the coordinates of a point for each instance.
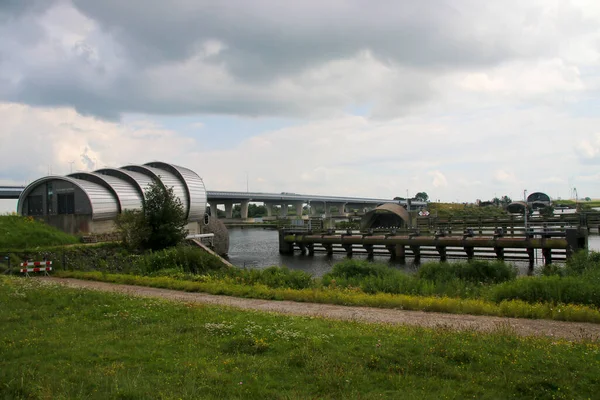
(589, 149)
(438, 179)
(502, 176)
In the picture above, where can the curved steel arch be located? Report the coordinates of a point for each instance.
(194, 185)
(370, 218)
(103, 202)
(127, 194)
(139, 181)
(167, 179)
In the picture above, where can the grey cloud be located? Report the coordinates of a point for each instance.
(131, 61)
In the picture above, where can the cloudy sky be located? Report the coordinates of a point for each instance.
(462, 99)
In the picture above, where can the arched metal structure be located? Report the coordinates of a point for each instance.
(103, 194)
(168, 180)
(538, 197)
(139, 181)
(196, 192)
(538, 200)
(516, 207)
(102, 202)
(129, 198)
(385, 216)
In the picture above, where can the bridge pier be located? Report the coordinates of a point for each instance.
(213, 209)
(229, 209)
(283, 211)
(244, 208)
(299, 207)
(269, 208)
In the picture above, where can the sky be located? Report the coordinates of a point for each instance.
(461, 99)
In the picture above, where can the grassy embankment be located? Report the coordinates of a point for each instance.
(570, 293)
(573, 204)
(488, 288)
(18, 232)
(65, 343)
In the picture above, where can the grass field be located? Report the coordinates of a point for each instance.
(17, 232)
(66, 343)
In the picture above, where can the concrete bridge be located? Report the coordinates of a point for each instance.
(271, 200)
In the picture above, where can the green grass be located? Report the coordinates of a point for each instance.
(17, 232)
(65, 343)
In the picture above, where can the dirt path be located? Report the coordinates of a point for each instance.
(526, 327)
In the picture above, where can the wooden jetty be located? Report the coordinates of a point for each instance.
(552, 243)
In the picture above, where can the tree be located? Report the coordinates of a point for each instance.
(505, 200)
(159, 225)
(422, 196)
(547, 211)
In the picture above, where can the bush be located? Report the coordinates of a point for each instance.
(582, 262)
(360, 269)
(273, 277)
(377, 278)
(552, 289)
(184, 259)
(161, 223)
(475, 271)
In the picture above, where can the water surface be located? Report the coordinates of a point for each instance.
(259, 248)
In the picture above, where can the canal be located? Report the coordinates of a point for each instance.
(259, 248)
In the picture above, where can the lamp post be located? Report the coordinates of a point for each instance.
(525, 212)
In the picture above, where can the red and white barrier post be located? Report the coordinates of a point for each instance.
(37, 266)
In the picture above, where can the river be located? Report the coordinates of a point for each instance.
(259, 248)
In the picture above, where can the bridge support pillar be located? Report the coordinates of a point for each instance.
(213, 209)
(341, 209)
(416, 253)
(442, 252)
(531, 257)
(348, 248)
(400, 252)
(269, 208)
(229, 209)
(499, 253)
(283, 210)
(470, 252)
(299, 207)
(244, 209)
(285, 247)
(369, 249)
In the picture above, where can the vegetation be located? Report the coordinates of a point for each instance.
(457, 210)
(159, 225)
(65, 343)
(421, 196)
(479, 287)
(17, 232)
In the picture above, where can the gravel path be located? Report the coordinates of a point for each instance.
(525, 327)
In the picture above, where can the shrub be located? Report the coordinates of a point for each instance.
(273, 277)
(475, 271)
(360, 269)
(160, 225)
(184, 259)
(374, 278)
(551, 289)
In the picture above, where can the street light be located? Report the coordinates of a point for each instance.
(525, 212)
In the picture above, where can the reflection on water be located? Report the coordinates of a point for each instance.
(259, 248)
